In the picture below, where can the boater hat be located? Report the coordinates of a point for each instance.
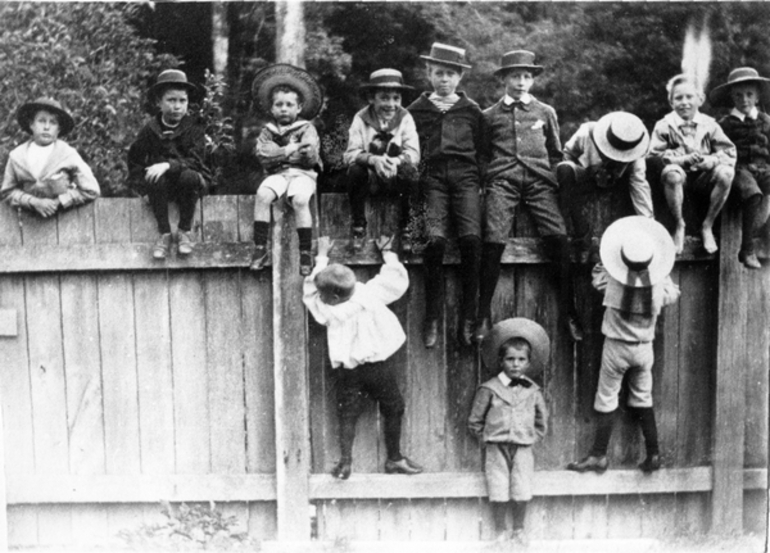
(519, 59)
(27, 112)
(632, 245)
(386, 79)
(518, 327)
(287, 75)
(447, 55)
(720, 96)
(174, 78)
(621, 136)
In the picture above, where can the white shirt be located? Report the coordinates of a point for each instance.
(742, 116)
(526, 98)
(37, 157)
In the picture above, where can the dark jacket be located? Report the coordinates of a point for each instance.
(751, 138)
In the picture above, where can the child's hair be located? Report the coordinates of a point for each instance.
(336, 279)
(430, 64)
(51, 112)
(285, 89)
(676, 80)
(162, 91)
(517, 342)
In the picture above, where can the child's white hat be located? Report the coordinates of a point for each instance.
(288, 75)
(621, 136)
(444, 54)
(637, 251)
(720, 96)
(517, 327)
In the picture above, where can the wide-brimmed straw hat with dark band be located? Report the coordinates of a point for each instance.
(27, 112)
(284, 74)
(517, 327)
(621, 136)
(444, 54)
(637, 251)
(174, 78)
(720, 96)
(386, 79)
(519, 59)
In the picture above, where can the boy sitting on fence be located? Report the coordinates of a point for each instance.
(508, 416)
(166, 161)
(637, 255)
(382, 154)
(46, 174)
(695, 152)
(288, 149)
(362, 333)
(749, 129)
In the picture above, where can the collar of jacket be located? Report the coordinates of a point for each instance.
(185, 123)
(423, 103)
(522, 105)
(370, 119)
(273, 128)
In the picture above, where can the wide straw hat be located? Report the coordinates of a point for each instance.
(27, 112)
(519, 59)
(447, 55)
(283, 74)
(174, 78)
(632, 244)
(720, 96)
(386, 79)
(517, 327)
(621, 136)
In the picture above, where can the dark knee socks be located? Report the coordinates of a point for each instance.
(491, 254)
(558, 249)
(261, 230)
(305, 239)
(347, 433)
(646, 418)
(500, 513)
(392, 431)
(433, 261)
(604, 422)
(519, 514)
(470, 262)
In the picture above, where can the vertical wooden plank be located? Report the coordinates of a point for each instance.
(558, 517)
(22, 525)
(113, 219)
(10, 226)
(755, 512)
(35, 230)
(590, 517)
(692, 513)
(428, 520)
(535, 523)
(90, 524)
(659, 515)
(624, 516)
(220, 218)
(463, 519)
(666, 371)
(337, 521)
(323, 411)
(367, 520)
(76, 226)
(262, 520)
(757, 370)
(144, 227)
(246, 218)
(394, 519)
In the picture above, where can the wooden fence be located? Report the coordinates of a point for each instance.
(126, 382)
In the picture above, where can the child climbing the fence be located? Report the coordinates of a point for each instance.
(288, 149)
(749, 129)
(508, 416)
(362, 333)
(166, 162)
(696, 154)
(637, 256)
(45, 174)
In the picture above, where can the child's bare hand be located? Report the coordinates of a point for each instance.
(154, 172)
(383, 168)
(45, 206)
(384, 243)
(705, 164)
(325, 245)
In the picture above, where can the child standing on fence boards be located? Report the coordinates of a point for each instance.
(695, 152)
(167, 160)
(362, 333)
(508, 416)
(45, 173)
(288, 149)
(745, 91)
(637, 255)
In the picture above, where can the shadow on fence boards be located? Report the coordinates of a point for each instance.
(126, 382)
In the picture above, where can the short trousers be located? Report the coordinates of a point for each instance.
(619, 357)
(452, 194)
(290, 183)
(701, 181)
(748, 183)
(509, 470)
(370, 380)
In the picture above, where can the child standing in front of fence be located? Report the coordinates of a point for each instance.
(288, 149)
(508, 416)
(362, 334)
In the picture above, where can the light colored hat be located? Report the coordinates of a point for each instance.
(447, 55)
(388, 79)
(621, 136)
(27, 112)
(519, 59)
(720, 96)
(174, 78)
(287, 75)
(632, 244)
(517, 327)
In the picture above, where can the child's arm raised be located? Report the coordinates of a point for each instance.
(393, 279)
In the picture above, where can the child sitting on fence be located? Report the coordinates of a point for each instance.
(749, 129)
(508, 416)
(166, 162)
(382, 154)
(637, 255)
(362, 334)
(695, 153)
(288, 149)
(45, 173)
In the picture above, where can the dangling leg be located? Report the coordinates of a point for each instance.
(722, 179)
(470, 261)
(673, 179)
(558, 247)
(491, 254)
(433, 263)
(751, 209)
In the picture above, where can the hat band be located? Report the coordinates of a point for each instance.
(385, 81)
(450, 57)
(620, 144)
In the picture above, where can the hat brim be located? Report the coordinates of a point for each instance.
(287, 75)
(720, 95)
(599, 136)
(27, 112)
(445, 62)
(194, 92)
(517, 327)
(535, 69)
(612, 241)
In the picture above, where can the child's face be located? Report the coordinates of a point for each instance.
(173, 105)
(518, 82)
(745, 97)
(286, 107)
(444, 79)
(515, 361)
(685, 100)
(44, 127)
(386, 104)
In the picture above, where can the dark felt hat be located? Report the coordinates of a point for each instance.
(27, 112)
(720, 96)
(174, 78)
(284, 74)
(386, 79)
(621, 136)
(519, 59)
(517, 327)
(445, 54)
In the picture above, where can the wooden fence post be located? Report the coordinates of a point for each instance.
(3, 492)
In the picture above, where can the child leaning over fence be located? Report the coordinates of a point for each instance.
(362, 334)
(288, 149)
(45, 173)
(509, 415)
(166, 161)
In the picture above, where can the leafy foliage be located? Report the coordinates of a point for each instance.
(220, 143)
